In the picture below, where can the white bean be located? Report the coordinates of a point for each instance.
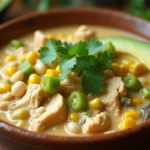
(18, 76)
(40, 68)
(40, 110)
(18, 89)
(73, 127)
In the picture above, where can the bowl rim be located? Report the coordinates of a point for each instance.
(20, 134)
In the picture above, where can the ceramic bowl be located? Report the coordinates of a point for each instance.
(13, 138)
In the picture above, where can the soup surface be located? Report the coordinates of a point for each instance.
(53, 94)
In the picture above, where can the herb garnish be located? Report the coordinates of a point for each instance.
(88, 58)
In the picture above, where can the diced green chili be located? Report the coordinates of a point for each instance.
(16, 43)
(77, 101)
(145, 92)
(132, 83)
(26, 68)
(50, 84)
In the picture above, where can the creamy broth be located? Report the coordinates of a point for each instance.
(61, 129)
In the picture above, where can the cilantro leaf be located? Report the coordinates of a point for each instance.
(48, 53)
(57, 43)
(63, 48)
(80, 58)
(66, 66)
(93, 46)
(79, 49)
(68, 45)
(92, 82)
(105, 59)
(87, 62)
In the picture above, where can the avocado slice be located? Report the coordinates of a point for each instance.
(137, 48)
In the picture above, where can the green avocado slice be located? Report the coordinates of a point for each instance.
(137, 48)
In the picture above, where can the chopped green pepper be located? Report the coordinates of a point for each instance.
(16, 43)
(50, 84)
(26, 68)
(77, 101)
(145, 92)
(132, 83)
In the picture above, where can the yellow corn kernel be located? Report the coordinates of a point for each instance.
(22, 58)
(34, 79)
(4, 87)
(58, 70)
(10, 58)
(61, 36)
(71, 37)
(116, 68)
(51, 73)
(137, 101)
(131, 114)
(21, 114)
(137, 69)
(95, 104)
(74, 117)
(10, 70)
(32, 56)
(124, 68)
(127, 61)
(51, 36)
(127, 123)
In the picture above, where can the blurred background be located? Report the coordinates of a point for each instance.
(10, 9)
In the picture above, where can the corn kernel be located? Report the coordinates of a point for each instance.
(95, 104)
(51, 73)
(21, 114)
(22, 58)
(131, 114)
(58, 70)
(10, 70)
(74, 117)
(116, 68)
(137, 101)
(71, 37)
(32, 56)
(124, 68)
(127, 61)
(10, 58)
(51, 36)
(4, 87)
(127, 123)
(34, 79)
(137, 69)
(61, 36)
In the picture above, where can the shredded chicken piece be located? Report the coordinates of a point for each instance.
(31, 99)
(84, 33)
(39, 39)
(72, 83)
(20, 51)
(5, 101)
(115, 88)
(55, 112)
(99, 123)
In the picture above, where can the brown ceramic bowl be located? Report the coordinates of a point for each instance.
(13, 138)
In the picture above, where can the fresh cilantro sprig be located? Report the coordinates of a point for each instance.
(88, 58)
